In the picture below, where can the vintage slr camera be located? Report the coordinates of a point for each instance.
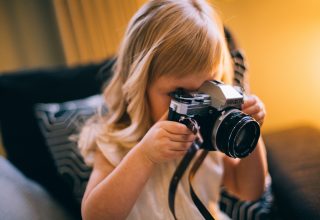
(216, 109)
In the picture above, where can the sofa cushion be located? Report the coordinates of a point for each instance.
(60, 123)
(244, 210)
(23, 141)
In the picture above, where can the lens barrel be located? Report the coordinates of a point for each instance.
(236, 134)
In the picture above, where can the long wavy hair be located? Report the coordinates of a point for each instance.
(164, 37)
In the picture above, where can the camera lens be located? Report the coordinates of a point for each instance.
(235, 133)
(246, 139)
(242, 141)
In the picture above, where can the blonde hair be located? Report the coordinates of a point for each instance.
(165, 37)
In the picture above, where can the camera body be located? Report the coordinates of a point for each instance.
(216, 107)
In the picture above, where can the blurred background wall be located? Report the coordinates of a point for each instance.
(281, 40)
(29, 35)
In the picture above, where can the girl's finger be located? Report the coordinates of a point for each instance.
(181, 137)
(250, 100)
(180, 146)
(254, 109)
(259, 117)
(174, 127)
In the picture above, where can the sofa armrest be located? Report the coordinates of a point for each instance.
(294, 165)
(22, 198)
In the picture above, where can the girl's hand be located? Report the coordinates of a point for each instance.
(166, 140)
(254, 107)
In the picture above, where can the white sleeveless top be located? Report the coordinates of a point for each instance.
(152, 203)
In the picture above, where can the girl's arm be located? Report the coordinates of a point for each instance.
(246, 177)
(112, 192)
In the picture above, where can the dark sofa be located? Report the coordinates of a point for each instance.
(293, 154)
(294, 165)
(24, 143)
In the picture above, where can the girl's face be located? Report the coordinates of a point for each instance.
(159, 91)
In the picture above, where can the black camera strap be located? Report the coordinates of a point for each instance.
(182, 167)
(203, 210)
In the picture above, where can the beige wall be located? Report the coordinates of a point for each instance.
(282, 42)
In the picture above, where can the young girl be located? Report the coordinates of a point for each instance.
(134, 150)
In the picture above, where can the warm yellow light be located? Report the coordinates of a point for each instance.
(282, 43)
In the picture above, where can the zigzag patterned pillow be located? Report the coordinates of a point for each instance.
(242, 210)
(58, 123)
